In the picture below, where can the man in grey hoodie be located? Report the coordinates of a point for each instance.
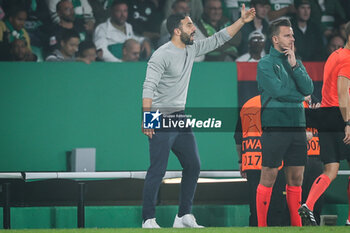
(165, 89)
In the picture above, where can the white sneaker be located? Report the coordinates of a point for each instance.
(347, 222)
(150, 223)
(185, 221)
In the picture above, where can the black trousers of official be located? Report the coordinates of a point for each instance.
(278, 214)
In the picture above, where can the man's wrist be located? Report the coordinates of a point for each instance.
(242, 21)
(295, 66)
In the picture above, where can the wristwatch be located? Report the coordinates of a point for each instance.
(296, 66)
(347, 123)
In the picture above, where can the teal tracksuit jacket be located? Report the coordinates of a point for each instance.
(282, 90)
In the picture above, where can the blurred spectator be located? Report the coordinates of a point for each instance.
(346, 6)
(335, 42)
(13, 28)
(38, 18)
(69, 43)
(67, 20)
(99, 10)
(280, 8)
(99, 55)
(179, 6)
(259, 23)
(326, 13)
(308, 36)
(145, 18)
(38, 22)
(340, 29)
(111, 35)
(82, 10)
(2, 13)
(87, 51)
(131, 50)
(233, 8)
(255, 48)
(211, 22)
(19, 52)
(196, 8)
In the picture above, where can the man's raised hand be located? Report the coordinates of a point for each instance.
(248, 15)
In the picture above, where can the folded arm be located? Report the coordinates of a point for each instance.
(303, 80)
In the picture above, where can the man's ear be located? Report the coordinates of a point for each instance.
(177, 31)
(274, 39)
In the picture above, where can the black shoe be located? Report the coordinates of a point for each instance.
(307, 217)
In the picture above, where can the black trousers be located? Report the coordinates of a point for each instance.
(184, 146)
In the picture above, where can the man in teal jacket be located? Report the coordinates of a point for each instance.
(284, 84)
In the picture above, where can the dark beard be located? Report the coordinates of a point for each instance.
(256, 49)
(186, 38)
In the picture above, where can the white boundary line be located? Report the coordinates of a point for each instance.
(125, 174)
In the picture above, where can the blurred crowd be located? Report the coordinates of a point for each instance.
(130, 30)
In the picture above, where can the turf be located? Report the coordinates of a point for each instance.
(329, 229)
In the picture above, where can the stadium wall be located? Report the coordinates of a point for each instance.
(47, 109)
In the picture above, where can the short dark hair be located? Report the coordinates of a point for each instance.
(347, 30)
(85, 45)
(262, 2)
(58, 5)
(174, 21)
(177, 2)
(274, 28)
(118, 2)
(205, 2)
(298, 3)
(14, 10)
(67, 34)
